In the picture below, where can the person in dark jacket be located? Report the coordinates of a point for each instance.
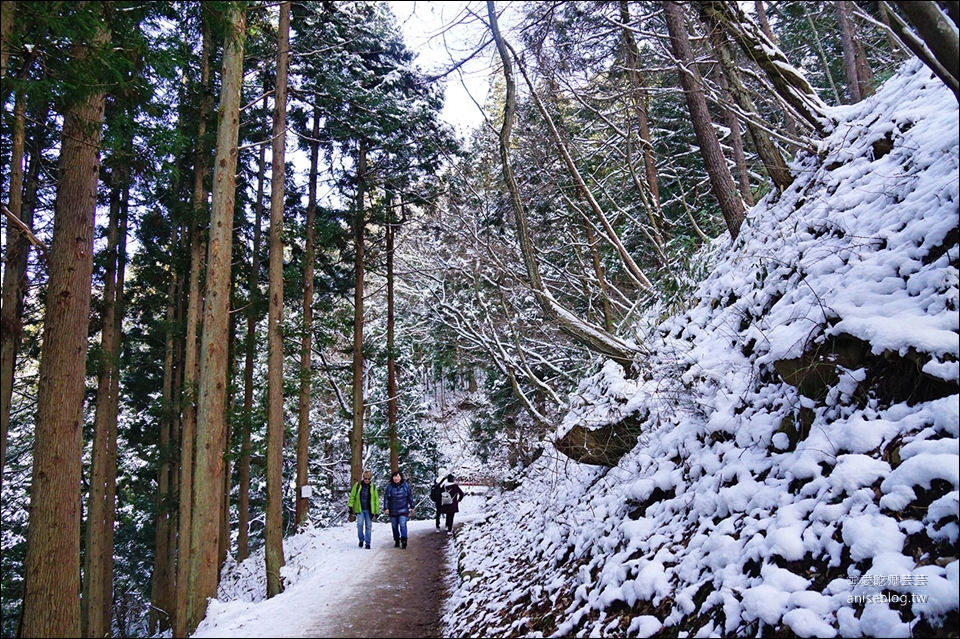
(365, 503)
(398, 505)
(436, 496)
(455, 495)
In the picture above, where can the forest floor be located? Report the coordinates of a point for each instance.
(392, 592)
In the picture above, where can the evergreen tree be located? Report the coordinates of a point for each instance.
(52, 565)
(212, 381)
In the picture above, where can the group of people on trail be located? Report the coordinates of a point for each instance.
(399, 506)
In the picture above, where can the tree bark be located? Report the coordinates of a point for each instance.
(764, 24)
(243, 506)
(168, 422)
(736, 138)
(191, 356)
(306, 344)
(6, 28)
(935, 30)
(13, 273)
(223, 547)
(51, 601)
(359, 225)
(97, 581)
(720, 179)
(392, 441)
(273, 530)
(601, 280)
(211, 418)
(640, 104)
(111, 475)
(858, 72)
(849, 53)
(773, 162)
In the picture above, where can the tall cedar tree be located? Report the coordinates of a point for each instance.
(98, 555)
(188, 427)
(243, 503)
(274, 516)
(51, 602)
(15, 265)
(211, 408)
(303, 425)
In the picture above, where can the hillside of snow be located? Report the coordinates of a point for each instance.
(798, 468)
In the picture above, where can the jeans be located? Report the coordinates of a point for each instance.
(364, 526)
(399, 525)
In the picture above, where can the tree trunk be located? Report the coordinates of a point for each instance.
(243, 505)
(274, 517)
(859, 75)
(935, 30)
(168, 422)
(392, 441)
(6, 28)
(736, 139)
(306, 344)
(211, 418)
(640, 104)
(764, 24)
(51, 600)
(111, 475)
(601, 280)
(849, 54)
(223, 547)
(720, 179)
(359, 224)
(773, 162)
(892, 41)
(13, 284)
(191, 356)
(96, 580)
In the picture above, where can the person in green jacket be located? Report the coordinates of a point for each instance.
(365, 504)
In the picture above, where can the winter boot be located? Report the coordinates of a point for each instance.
(396, 543)
(403, 541)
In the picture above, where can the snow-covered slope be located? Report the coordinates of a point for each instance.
(798, 472)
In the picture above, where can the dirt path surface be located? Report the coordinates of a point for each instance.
(393, 592)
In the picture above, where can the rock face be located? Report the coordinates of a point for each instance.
(890, 376)
(602, 446)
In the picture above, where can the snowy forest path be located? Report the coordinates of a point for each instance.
(393, 592)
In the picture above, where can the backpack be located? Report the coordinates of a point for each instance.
(446, 498)
(436, 493)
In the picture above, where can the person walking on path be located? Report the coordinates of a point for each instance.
(398, 505)
(365, 504)
(450, 500)
(436, 496)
